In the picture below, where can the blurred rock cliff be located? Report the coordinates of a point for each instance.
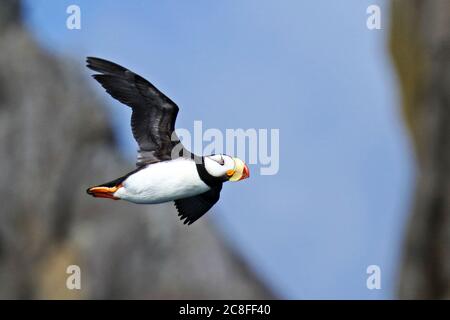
(420, 45)
(56, 141)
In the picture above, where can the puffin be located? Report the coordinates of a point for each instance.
(165, 170)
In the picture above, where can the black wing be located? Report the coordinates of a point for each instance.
(192, 208)
(154, 114)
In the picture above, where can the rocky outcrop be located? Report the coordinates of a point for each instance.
(420, 45)
(56, 141)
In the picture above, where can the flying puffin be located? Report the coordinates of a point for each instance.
(165, 172)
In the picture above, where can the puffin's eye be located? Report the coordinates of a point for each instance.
(221, 161)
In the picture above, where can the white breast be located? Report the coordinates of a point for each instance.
(162, 182)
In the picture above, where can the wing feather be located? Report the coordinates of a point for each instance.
(154, 115)
(192, 208)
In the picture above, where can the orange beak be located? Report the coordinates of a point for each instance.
(245, 173)
(240, 171)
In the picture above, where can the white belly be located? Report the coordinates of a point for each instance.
(163, 182)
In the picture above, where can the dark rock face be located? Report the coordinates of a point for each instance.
(55, 142)
(420, 43)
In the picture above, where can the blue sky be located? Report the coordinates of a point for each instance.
(309, 68)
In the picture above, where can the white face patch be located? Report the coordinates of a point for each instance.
(219, 165)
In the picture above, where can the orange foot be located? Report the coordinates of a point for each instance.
(104, 192)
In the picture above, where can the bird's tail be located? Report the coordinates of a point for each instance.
(104, 192)
(107, 190)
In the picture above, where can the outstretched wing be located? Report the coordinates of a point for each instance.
(192, 208)
(154, 114)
